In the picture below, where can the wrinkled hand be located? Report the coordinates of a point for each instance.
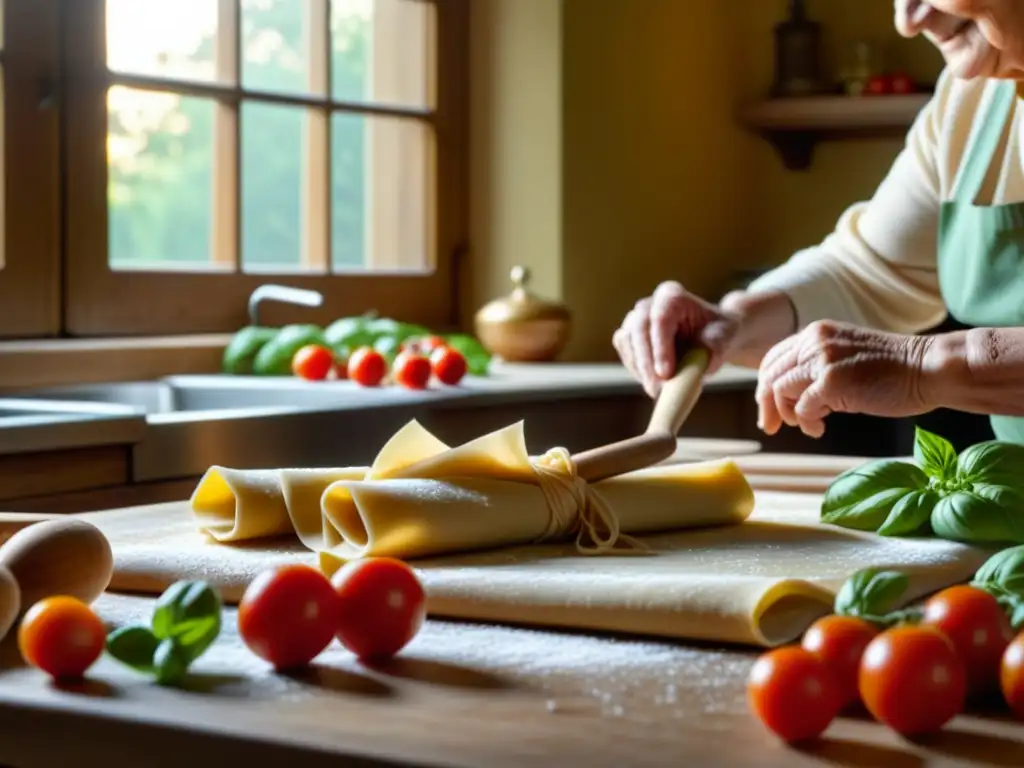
(838, 368)
(647, 337)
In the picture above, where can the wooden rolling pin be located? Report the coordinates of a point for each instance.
(677, 398)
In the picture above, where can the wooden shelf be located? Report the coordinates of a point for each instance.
(795, 126)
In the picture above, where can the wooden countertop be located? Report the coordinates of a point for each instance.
(461, 695)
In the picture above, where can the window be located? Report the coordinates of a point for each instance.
(209, 146)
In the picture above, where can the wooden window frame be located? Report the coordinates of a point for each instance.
(30, 304)
(98, 301)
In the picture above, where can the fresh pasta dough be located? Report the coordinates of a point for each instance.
(422, 498)
(760, 582)
(497, 535)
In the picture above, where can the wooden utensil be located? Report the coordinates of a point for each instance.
(675, 401)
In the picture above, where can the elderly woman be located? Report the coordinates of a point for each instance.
(837, 327)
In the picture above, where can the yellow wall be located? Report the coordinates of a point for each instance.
(606, 156)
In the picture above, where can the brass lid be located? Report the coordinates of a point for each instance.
(521, 305)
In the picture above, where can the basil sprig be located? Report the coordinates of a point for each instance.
(872, 594)
(976, 497)
(1002, 575)
(186, 620)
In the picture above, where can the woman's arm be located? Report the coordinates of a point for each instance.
(764, 319)
(976, 371)
(877, 269)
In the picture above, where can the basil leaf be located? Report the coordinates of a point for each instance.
(198, 636)
(134, 646)
(870, 592)
(993, 463)
(981, 516)
(1015, 612)
(170, 663)
(1003, 572)
(862, 498)
(911, 515)
(935, 455)
(181, 604)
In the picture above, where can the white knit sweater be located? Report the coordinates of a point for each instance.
(878, 267)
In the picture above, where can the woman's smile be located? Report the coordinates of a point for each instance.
(976, 39)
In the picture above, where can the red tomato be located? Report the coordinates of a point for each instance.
(341, 357)
(1011, 675)
(382, 606)
(901, 83)
(449, 365)
(62, 636)
(978, 628)
(312, 362)
(912, 680)
(412, 370)
(288, 615)
(367, 366)
(878, 85)
(793, 693)
(423, 345)
(839, 641)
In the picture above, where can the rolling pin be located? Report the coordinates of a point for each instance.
(676, 400)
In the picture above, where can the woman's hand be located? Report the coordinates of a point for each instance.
(838, 368)
(646, 340)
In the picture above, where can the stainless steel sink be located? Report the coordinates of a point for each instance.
(172, 397)
(37, 424)
(193, 422)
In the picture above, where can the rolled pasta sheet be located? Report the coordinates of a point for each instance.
(411, 517)
(421, 498)
(236, 505)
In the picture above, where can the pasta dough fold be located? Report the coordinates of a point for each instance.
(422, 498)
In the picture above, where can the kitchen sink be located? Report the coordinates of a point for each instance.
(193, 422)
(38, 424)
(173, 397)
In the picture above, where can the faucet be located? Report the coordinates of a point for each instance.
(282, 293)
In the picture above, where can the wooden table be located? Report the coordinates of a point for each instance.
(461, 695)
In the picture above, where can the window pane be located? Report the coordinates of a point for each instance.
(382, 193)
(383, 51)
(160, 156)
(275, 48)
(163, 38)
(273, 140)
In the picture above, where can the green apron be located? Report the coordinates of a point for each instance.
(981, 248)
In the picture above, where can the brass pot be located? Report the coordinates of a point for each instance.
(522, 327)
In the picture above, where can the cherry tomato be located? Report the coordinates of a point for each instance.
(341, 357)
(412, 370)
(449, 365)
(978, 628)
(878, 85)
(288, 615)
(62, 636)
(912, 680)
(901, 83)
(423, 345)
(382, 606)
(839, 641)
(367, 367)
(793, 693)
(1011, 675)
(312, 362)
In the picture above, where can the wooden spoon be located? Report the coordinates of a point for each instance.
(677, 398)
